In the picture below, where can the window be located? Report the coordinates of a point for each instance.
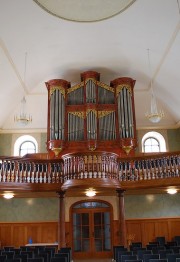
(91, 204)
(153, 142)
(25, 145)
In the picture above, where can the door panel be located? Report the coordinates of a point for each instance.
(91, 233)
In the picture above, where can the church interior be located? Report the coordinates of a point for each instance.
(89, 130)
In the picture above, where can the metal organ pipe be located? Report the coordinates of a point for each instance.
(122, 113)
(131, 116)
(90, 92)
(91, 125)
(52, 118)
(125, 112)
(57, 115)
(125, 115)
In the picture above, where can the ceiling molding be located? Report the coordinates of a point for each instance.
(166, 52)
(11, 62)
(23, 131)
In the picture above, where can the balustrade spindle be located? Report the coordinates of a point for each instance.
(28, 172)
(93, 165)
(121, 172)
(177, 165)
(36, 173)
(32, 172)
(49, 173)
(174, 165)
(7, 171)
(4, 172)
(24, 172)
(11, 172)
(75, 167)
(152, 169)
(57, 173)
(71, 167)
(40, 173)
(44, 173)
(60, 172)
(53, 173)
(156, 168)
(68, 168)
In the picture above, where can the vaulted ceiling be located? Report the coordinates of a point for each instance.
(36, 46)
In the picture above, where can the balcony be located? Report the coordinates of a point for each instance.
(99, 169)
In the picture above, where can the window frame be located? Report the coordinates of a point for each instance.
(151, 146)
(157, 136)
(27, 141)
(22, 139)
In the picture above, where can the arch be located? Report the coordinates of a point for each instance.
(21, 140)
(102, 203)
(155, 136)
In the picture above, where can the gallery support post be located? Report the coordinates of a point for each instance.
(122, 223)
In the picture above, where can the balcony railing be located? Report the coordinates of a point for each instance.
(150, 167)
(31, 171)
(90, 165)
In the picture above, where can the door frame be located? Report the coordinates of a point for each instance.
(104, 254)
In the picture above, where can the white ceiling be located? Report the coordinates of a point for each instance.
(115, 47)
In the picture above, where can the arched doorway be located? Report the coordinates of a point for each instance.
(91, 229)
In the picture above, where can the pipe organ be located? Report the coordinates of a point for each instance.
(91, 115)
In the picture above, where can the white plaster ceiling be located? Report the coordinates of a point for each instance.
(115, 47)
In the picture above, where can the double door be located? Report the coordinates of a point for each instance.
(91, 233)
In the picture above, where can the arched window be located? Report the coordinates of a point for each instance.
(153, 142)
(25, 145)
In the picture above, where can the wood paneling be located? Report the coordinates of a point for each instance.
(162, 229)
(34, 232)
(49, 233)
(145, 230)
(175, 227)
(18, 234)
(134, 228)
(6, 234)
(149, 228)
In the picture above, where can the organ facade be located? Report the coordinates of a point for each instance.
(91, 116)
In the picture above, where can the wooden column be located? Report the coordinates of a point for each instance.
(122, 224)
(61, 222)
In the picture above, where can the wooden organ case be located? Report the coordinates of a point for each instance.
(91, 116)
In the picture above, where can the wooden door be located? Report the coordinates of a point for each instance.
(91, 232)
